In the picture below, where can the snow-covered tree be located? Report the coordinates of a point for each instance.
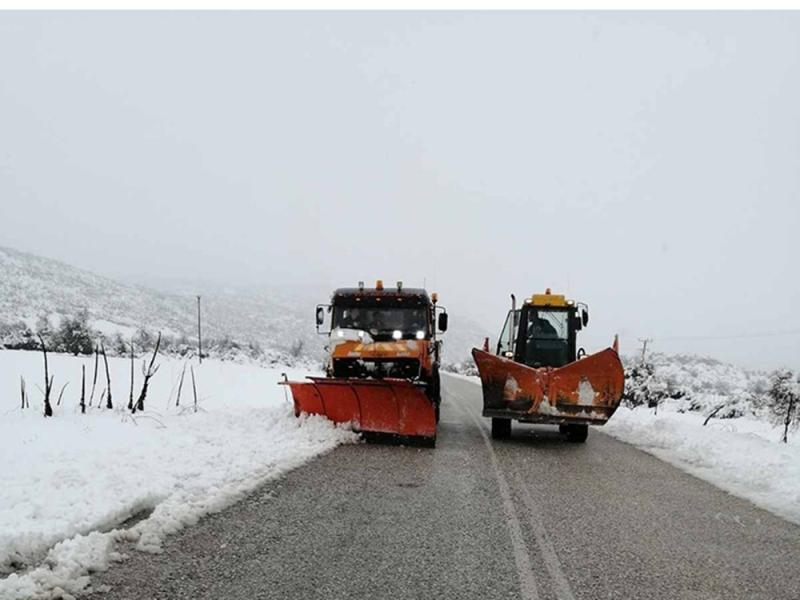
(74, 335)
(783, 396)
(643, 386)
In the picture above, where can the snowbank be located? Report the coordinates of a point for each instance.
(741, 456)
(68, 481)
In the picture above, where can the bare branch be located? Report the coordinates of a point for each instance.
(94, 378)
(61, 393)
(147, 375)
(712, 413)
(48, 381)
(194, 387)
(109, 402)
(180, 385)
(130, 397)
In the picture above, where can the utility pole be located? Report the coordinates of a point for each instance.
(644, 346)
(199, 334)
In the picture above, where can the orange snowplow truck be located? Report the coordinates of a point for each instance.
(538, 375)
(382, 370)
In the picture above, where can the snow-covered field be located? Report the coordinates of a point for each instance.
(70, 482)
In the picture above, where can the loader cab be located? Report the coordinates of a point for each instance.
(543, 332)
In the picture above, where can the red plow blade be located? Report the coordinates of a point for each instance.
(393, 408)
(585, 391)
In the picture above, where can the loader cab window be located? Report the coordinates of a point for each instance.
(547, 337)
(504, 345)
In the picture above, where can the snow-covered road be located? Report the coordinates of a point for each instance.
(531, 517)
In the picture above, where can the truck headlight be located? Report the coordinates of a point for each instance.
(397, 334)
(420, 335)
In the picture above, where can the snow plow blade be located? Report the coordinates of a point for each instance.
(384, 410)
(585, 391)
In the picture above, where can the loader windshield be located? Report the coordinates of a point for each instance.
(547, 337)
(381, 323)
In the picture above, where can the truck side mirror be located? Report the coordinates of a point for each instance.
(443, 321)
(585, 317)
(320, 315)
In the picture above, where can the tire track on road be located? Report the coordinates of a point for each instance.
(552, 563)
(527, 580)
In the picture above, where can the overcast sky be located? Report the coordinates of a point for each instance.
(648, 164)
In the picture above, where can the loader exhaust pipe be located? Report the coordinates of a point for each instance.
(513, 323)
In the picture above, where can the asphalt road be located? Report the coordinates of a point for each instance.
(532, 517)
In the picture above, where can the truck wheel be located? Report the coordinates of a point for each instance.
(501, 428)
(576, 434)
(435, 391)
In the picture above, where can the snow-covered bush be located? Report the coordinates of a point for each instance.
(696, 384)
(465, 367)
(17, 336)
(645, 386)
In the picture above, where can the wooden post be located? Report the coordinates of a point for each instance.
(644, 347)
(83, 390)
(48, 382)
(199, 333)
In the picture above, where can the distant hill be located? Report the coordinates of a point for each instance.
(281, 319)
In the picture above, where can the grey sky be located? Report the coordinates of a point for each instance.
(647, 163)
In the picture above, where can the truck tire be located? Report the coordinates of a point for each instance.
(501, 428)
(576, 433)
(435, 390)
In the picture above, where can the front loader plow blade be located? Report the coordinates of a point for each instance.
(382, 409)
(585, 391)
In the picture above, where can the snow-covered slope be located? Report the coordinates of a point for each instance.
(280, 318)
(32, 286)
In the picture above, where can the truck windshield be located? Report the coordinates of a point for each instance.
(382, 322)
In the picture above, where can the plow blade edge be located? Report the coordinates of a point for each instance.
(585, 391)
(380, 407)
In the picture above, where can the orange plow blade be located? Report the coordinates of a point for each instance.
(380, 408)
(585, 391)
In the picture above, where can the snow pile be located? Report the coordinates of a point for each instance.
(69, 480)
(742, 456)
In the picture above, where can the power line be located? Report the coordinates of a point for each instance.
(689, 338)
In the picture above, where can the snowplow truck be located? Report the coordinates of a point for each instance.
(538, 375)
(382, 367)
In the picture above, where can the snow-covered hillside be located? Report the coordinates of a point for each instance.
(698, 383)
(280, 319)
(71, 481)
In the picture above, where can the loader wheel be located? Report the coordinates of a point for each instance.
(576, 434)
(501, 428)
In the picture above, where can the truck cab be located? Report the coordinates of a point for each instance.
(384, 332)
